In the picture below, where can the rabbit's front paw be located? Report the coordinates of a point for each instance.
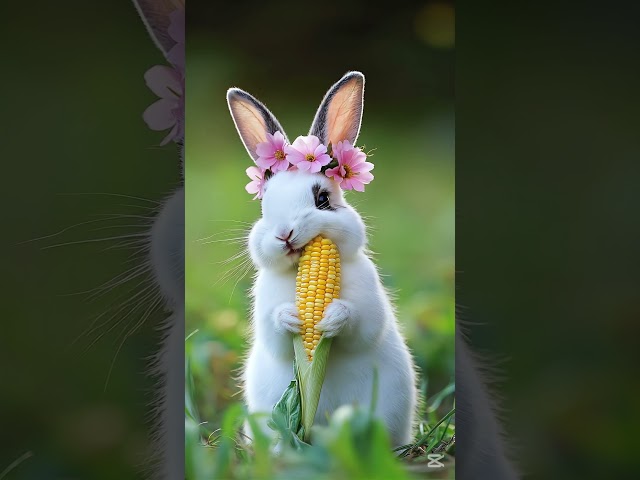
(335, 318)
(286, 318)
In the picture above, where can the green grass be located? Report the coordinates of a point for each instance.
(354, 445)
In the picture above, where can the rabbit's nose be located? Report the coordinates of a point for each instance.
(284, 236)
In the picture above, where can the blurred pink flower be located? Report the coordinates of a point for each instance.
(176, 32)
(307, 153)
(271, 153)
(353, 171)
(257, 181)
(168, 112)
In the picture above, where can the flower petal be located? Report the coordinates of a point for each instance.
(314, 167)
(293, 154)
(252, 187)
(159, 115)
(331, 172)
(278, 140)
(334, 173)
(357, 185)
(364, 177)
(319, 150)
(346, 184)
(265, 162)
(300, 146)
(312, 142)
(253, 172)
(280, 165)
(304, 165)
(265, 149)
(172, 135)
(163, 81)
(358, 158)
(364, 166)
(323, 159)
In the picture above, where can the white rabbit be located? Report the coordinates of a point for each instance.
(297, 206)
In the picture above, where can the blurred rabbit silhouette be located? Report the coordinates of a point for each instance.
(164, 20)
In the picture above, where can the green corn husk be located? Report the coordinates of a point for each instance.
(296, 409)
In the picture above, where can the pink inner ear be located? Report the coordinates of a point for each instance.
(251, 124)
(343, 114)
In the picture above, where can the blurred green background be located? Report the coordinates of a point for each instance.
(73, 99)
(406, 55)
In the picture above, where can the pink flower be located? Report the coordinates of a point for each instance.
(307, 153)
(271, 153)
(352, 172)
(168, 112)
(256, 184)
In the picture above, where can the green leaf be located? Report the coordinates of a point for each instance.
(260, 444)
(440, 396)
(289, 408)
(286, 417)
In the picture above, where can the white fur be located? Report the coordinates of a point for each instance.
(484, 454)
(362, 321)
(167, 249)
(167, 260)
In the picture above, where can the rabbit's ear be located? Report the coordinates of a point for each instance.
(340, 113)
(252, 119)
(155, 15)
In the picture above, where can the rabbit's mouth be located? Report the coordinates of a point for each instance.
(293, 251)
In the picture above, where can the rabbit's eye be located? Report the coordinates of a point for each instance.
(322, 201)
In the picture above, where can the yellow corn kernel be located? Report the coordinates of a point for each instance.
(317, 284)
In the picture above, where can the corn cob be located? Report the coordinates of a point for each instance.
(317, 284)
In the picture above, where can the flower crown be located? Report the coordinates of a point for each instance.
(344, 163)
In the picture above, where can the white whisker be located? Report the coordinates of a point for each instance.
(232, 272)
(131, 332)
(144, 207)
(150, 294)
(230, 241)
(108, 227)
(233, 221)
(241, 254)
(92, 240)
(142, 245)
(137, 271)
(115, 216)
(244, 274)
(233, 230)
(112, 195)
(44, 237)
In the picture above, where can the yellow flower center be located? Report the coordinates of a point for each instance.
(347, 172)
(310, 157)
(279, 155)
